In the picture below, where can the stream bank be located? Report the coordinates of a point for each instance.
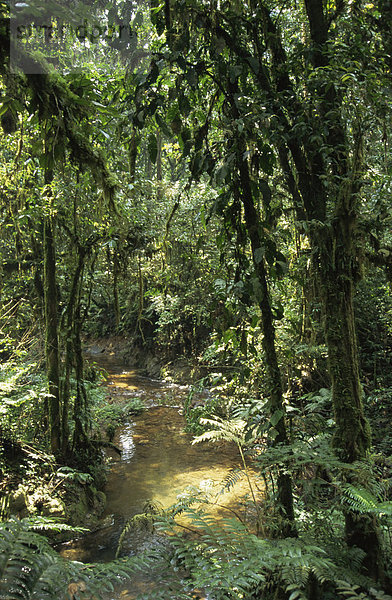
(180, 370)
(49, 490)
(158, 465)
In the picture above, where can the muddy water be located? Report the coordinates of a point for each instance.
(157, 464)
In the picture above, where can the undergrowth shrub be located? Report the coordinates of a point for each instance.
(30, 569)
(207, 409)
(22, 401)
(107, 416)
(227, 562)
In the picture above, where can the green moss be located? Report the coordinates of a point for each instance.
(87, 507)
(76, 512)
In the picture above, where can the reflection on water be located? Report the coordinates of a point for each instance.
(126, 442)
(157, 464)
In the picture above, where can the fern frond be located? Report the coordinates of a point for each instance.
(186, 499)
(229, 430)
(361, 500)
(379, 594)
(234, 476)
(31, 570)
(296, 592)
(45, 524)
(142, 521)
(350, 591)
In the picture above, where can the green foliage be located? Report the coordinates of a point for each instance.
(22, 397)
(296, 95)
(31, 570)
(110, 415)
(374, 324)
(197, 416)
(232, 430)
(363, 501)
(228, 562)
(29, 567)
(67, 473)
(378, 405)
(353, 592)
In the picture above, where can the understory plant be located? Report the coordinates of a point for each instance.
(226, 562)
(30, 569)
(108, 415)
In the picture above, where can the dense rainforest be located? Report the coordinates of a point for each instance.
(205, 185)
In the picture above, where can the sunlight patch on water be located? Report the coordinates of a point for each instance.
(158, 464)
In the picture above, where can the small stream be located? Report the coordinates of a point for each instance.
(157, 463)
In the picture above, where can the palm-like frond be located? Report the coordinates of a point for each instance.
(234, 476)
(363, 501)
(229, 430)
(30, 569)
(350, 591)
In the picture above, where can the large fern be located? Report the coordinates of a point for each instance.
(221, 558)
(229, 563)
(231, 430)
(363, 501)
(30, 569)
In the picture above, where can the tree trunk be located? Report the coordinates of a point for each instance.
(51, 332)
(69, 347)
(65, 393)
(352, 438)
(133, 148)
(253, 225)
(116, 300)
(159, 164)
(81, 442)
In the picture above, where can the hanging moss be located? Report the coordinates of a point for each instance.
(58, 105)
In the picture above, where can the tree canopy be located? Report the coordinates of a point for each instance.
(211, 181)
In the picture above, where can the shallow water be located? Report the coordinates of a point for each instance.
(157, 464)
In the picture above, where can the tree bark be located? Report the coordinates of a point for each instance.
(116, 301)
(253, 225)
(352, 438)
(159, 164)
(133, 148)
(51, 328)
(69, 347)
(81, 443)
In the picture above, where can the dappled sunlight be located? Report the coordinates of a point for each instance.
(158, 465)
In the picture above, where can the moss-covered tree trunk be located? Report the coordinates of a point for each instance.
(352, 437)
(51, 326)
(276, 405)
(81, 444)
(116, 300)
(69, 346)
(133, 148)
(331, 212)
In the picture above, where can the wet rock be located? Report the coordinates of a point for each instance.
(104, 524)
(94, 350)
(153, 367)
